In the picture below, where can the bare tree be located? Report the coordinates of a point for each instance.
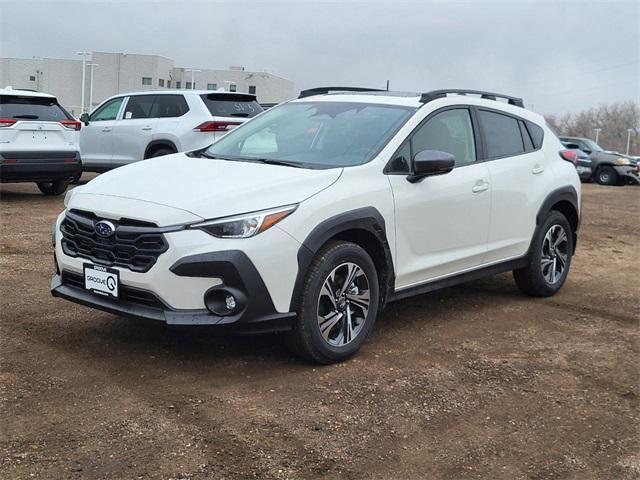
(613, 120)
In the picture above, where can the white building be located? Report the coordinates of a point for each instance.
(122, 72)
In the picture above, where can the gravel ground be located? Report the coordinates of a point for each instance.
(476, 381)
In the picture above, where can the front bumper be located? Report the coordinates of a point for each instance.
(189, 279)
(268, 322)
(628, 174)
(584, 173)
(39, 166)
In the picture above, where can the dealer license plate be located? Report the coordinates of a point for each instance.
(101, 280)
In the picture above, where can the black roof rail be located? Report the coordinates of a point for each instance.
(435, 94)
(323, 90)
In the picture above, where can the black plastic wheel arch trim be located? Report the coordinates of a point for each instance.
(367, 219)
(567, 194)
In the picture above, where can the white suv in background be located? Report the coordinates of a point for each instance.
(315, 214)
(38, 141)
(135, 126)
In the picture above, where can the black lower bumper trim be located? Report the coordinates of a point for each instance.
(38, 171)
(266, 323)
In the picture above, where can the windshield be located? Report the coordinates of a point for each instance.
(593, 145)
(314, 134)
(228, 105)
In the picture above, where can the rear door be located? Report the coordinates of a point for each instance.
(96, 139)
(135, 130)
(520, 178)
(41, 124)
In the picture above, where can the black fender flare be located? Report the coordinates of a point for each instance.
(567, 194)
(156, 143)
(367, 219)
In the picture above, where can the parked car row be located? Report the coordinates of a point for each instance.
(41, 142)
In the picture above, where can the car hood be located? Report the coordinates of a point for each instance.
(210, 188)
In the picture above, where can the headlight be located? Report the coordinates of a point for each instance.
(622, 161)
(69, 195)
(245, 226)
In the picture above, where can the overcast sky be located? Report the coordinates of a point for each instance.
(559, 55)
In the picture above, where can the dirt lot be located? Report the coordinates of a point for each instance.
(471, 382)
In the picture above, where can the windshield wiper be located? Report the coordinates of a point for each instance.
(268, 161)
(27, 117)
(239, 115)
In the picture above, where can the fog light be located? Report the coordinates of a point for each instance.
(230, 302)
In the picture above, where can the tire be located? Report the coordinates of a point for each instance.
(329, 342)
(161, 152)
(548, 267)
(55, 187)
(76, 178)
(606, 176)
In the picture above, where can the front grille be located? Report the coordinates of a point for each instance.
(135, 245)
(126, 294)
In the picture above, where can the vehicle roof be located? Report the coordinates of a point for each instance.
(412, 99)
(182, 91)
(24, 93)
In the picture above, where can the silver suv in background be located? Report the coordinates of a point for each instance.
(38, 141)
(135, 126)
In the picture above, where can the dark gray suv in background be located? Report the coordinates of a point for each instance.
(608, 168)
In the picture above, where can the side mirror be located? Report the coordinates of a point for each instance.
(428, 163)
(84, 118)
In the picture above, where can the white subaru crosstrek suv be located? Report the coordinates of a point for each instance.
(131, 127)
(38, 141)
(315, 214)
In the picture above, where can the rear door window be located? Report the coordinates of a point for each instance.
(167, 106)
(501, 133)
(32, 108)
(139, 106)
(225, 105)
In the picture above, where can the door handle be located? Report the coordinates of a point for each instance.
(537, 169)
(106, 129)
(147, 128)
(480, 186)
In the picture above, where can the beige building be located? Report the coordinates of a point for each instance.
(122, 72)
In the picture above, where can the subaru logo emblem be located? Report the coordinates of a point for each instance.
(104, 228)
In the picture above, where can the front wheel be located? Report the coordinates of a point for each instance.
(55, 187)
(338, 304)
(549, 259)
(607, 176)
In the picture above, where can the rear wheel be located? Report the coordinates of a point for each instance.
(550, 257)
(160, 152)
(607, 176)
(55, 187)
(338, 304)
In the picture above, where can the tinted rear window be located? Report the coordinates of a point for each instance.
(502, 134)
(224, 105)
(32, 108)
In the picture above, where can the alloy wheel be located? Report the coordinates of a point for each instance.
(343, 304)
(555, 254)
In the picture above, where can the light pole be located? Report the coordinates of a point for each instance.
(84, 63)
(597, 130)
(629, 130)
(91, 65)
(192, 70)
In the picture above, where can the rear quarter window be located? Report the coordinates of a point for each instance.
(225, 105)
(537, 134)
(32, 108)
